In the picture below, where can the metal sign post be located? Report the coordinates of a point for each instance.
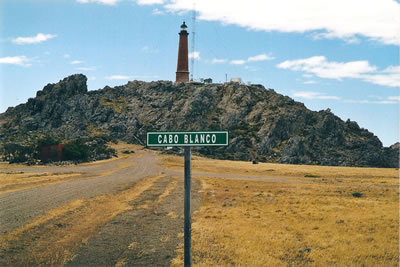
(187, 215)
(187, 140)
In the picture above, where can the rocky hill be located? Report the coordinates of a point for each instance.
(262, 124)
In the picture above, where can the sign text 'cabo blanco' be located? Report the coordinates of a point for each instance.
(206, 138)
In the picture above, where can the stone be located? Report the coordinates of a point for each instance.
(262, 124)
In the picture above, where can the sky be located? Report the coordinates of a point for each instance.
(342, 54)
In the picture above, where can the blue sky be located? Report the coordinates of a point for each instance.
(342, 55)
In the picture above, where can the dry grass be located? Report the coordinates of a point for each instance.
(122, 146)
(121, 262)
(11, 181)
(52, 214)
(54, 238)
(311, 222)
(118, 105)
(14, 181)
(171, 187)
(8, 167)
(201, 164)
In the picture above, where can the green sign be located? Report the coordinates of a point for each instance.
(206, 138)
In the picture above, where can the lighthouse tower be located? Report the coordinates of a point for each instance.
(182, 70)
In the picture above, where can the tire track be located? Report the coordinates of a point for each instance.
(147, 235)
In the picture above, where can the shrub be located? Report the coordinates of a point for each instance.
(101, 151)
(312, 176)
(15, 153)
(76, 150)
(357, 194)
(47, 141)
(87, 149)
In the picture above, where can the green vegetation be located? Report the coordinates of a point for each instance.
(48, 141)
(77, 150)
(15, 153)
(357, 194)
(312, 176)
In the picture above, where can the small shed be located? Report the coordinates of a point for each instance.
(236, 80)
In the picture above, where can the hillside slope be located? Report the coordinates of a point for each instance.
(262, 124)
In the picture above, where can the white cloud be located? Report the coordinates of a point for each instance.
(67, 55)
(385, 102)
(391, 80)
(218, 60)
(388, 77)
(324, 35)
(310, 82)
(238, 62)
(40, 37)
(91, 78)
(86, 68)
(118, 77)
(103, 2)
(319, 66)
(156, 11)
(392, 69)
(17, 60)
(388, 101)
(314, 95)
(261, 57)
(149, 2)
(150, 50)
(250, 68)
(195, 55)
(75, 62)
(394, 98)
(348, 20)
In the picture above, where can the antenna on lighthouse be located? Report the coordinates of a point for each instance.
(193, 41)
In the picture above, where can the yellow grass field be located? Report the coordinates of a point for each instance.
(311, 218)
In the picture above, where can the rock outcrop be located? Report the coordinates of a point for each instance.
(262, 124)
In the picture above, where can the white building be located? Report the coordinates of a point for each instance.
(236, 80)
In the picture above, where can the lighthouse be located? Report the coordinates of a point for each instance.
(182, 70)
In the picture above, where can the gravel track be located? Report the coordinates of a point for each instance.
(18, 208)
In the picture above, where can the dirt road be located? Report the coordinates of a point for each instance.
(17, 208)
(146, 232)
